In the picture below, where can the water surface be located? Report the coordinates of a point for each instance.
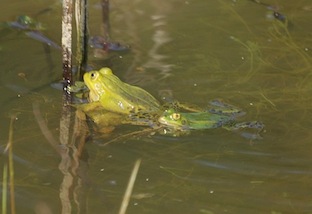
(192, 51)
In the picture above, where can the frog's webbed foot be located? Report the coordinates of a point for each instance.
(79, 86)
(238, 127)
(219, 107)
(250, 125)
(220, 104)
(142, 118)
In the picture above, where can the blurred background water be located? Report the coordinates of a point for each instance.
(195, 51)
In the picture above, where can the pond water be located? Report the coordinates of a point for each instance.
(194, 51)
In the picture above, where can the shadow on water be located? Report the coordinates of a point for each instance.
(195, 52)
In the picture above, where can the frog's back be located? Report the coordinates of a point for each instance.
(123, 97)
(205, 120)
(143, 99)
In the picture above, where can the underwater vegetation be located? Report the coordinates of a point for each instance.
(263, 65)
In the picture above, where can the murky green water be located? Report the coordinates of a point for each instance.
(196, 52)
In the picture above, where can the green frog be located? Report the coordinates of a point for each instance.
(112, 101)
(185, 121)
(108, 92)
(177, 121)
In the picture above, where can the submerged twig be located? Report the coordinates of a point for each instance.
(44, 129)
(254, 56)
(131, 134)
(129, 189)
(267, 99)
(11, 166)
(4, 188)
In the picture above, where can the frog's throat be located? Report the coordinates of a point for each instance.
(94, 96)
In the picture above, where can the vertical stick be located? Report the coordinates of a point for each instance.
(67, 41)
(11, 166)
(65, 117)
(81, 16)
(4, 188)
(105, 16)
(67, 69)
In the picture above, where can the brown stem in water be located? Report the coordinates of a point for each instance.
(105, 17)
(81, 16)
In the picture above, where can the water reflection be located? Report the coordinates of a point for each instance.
(150, 62)
(156, 60)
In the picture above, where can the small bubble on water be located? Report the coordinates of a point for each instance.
(112, 182)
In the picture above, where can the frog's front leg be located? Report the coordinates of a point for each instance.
(89, 107)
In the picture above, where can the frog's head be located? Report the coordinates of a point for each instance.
(97, 82)
(173, 119)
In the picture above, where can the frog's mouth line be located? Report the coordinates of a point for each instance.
(163, 121)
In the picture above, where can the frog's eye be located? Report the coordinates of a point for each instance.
(175, 116)
(93, 75)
